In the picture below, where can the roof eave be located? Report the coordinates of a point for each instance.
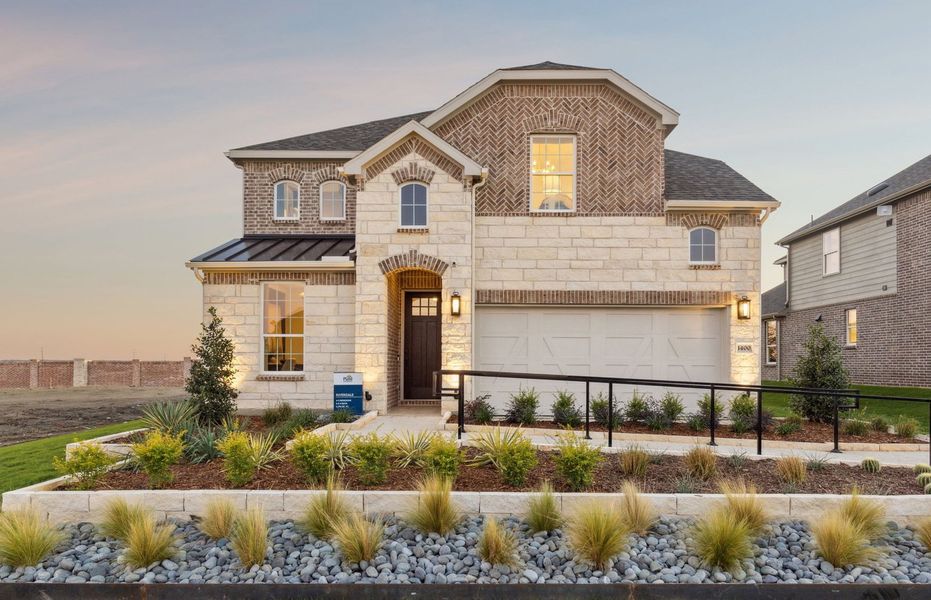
(273, 265)
(298, 154)
(470, 168)
(676, 205)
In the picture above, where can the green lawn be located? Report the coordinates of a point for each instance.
(31, 462)
(779, 403)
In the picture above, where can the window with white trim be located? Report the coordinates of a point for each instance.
(772, 341)
(332, 201)
(703, 246)
(414, 205)
(287, 200)
(282, 327)
(830, 250)
(552, 173)
(850, 317)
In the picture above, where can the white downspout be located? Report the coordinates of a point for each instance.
(482, 181)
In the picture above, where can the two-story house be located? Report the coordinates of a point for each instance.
(534, 223)
(862, 270)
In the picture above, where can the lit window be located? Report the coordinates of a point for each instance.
(414, 205)
(703, 246)
(552, 173)
(332, 201)
(287, 200)
(830, 248)
(283, 327)
(851, 314)
(772, 341)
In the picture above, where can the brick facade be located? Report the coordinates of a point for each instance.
(15, 374)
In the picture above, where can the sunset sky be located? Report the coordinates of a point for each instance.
(114, 117)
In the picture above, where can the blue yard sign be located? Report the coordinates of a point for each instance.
(347, 392)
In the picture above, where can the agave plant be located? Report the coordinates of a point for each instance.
(263, 449)
(200, 444)
(492, 444)
(409, 449)
(169, 417)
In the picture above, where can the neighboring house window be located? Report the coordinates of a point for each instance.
(830, 248)
(703, 246)
(332, 201)
(283, 327)
(851, 318)
(552, 173)
(772, 341)
(287, 200)
(414, 205)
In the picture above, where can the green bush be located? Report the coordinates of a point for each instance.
(275, 415)
(155, 455)
(656, 420)
(923, 479)
(599, 409)
(743, 407)
(309, 455)
(211, 382)
(787, 428)
(576, 461)
(704, 410)
(565, 411)
(671, 407)
(443, 458)
(905, 427)
(86, 465)
(342, 416)
(480, 410)
(523, 406)
(879, 424)
(820, 367)
(639, 407)
(516, 460)
(371, 455)
(856, 427)
(300, 419)
(238, 463)
(696, 422)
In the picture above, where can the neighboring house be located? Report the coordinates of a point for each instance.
(533, 223)
(863, 270)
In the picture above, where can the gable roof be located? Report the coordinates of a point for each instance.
(549, 66)
(773, 301)
(691, 177)
(905, 182)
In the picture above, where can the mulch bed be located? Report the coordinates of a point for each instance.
(250, 424)
(810, 432)
(662, 476)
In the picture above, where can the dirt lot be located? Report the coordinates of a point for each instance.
(33, 414)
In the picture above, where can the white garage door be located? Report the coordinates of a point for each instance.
(649, 343)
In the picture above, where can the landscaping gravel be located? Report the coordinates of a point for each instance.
(784, 555)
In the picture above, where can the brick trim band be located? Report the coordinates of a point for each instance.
(413, 172)
(254, 277)
(604, 297)
(412, 260)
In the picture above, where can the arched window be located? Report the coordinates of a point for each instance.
(287, 200)
(332, 201)
(414, 205)
(703, 246)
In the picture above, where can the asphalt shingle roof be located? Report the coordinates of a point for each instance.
(774, 301)
(279, 247)
(550, 66)
(918, 173)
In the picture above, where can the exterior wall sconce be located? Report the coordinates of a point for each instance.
(743, 308)
(455, 304)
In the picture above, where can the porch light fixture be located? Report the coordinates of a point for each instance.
(455, 304)
(743, 308)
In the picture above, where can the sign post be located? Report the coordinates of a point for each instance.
(347, 392)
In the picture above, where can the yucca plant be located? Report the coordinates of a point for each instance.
(597, 532)
(218, 518)
(637, 511)
(923, 533)
(249, 537)
(26, 538)
(491, 445)
(324, 510)
(542, 511)
(871, 465)
(410, 448)
(722, 541)
(358, 538)
(633, 461)
(791, 470)
(200, 444)
(840, 541)
(497, 544)
(701, 462)
(743, 504)
(867, 515)
(336, 449)
(170, 418)
(119, 515)
(149, 542)
(435, 512)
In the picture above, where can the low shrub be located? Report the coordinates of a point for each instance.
(737, 460)
(686, 484)
(722, 541)
(905, 427)
(371, 455)
(219, 517)
(26, 538)
(868, 516)
(637, 512)
(870, 465)
(855, 423)
(275, 415)
(200, 444)
(309, 455)
(442, 458)
(816, 463)
(324, 510)
(86, 465)
(149, 542)
(743, 408)
(118, 516)
(879, 424)
(923, 533)
(170, 418)
(921, 468)
(542, 511)
(435, 511)
(409, 448)
(497, 544)
(303, 419)
(791, 470)
(923, 479)
(522, 408)
(358, 538)
(565, 411)
(671, 407)
(576, 461)
(701, 462)
(597, 532)
(249, 537)
(787, 427)
(600, 411)
(342, 416)
(238, 463)
(704, 410)
(840, 542)
(156, 454)
(656, 420)
(696, 422)
(516, 461)
(639, 407)
(744, 504)
(633, 461)
(480, 410)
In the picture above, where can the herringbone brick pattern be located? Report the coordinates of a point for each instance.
(619, 151)
(416, 145)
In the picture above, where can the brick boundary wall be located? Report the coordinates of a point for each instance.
(26, 374)
(55, 373)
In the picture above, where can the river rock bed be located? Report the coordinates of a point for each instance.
(783, 555)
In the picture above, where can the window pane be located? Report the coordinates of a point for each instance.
(283, 326)
(832, 263)
(695, 254)
(695, 237)
(420, 215)
(407, 194)
(420, 194)
(407, 216)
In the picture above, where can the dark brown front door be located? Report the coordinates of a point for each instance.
(421, 343)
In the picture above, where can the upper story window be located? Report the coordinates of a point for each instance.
(332, 201)
(830, 250)
(851, 319)
(552, 173)
(772, 341)
(703, 246)
(414, 205)
(287, 200)
(283, 327)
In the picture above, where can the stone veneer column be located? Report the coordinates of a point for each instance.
(79, 375)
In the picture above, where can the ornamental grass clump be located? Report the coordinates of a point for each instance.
(637, 512)
(497, 544)
(792, 470)
(156, 454)
(218, 519)
(722, 541)
(324, 510)
(435, 511)
(86, 464)
(867, 515)
(576, 461)
(26, 538)
(905, 427)
(371, 455)
(597, 532)
(840, 541)
(358, 538)
(118, 516)
(249, 537)
(701, 462)
(633, 461)
(542, 510)
(309, 455)
(743, 504)
(923, 533)
(148, 541)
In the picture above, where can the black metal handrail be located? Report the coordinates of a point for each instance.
(837, 395)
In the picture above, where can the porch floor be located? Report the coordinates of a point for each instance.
(406, 418)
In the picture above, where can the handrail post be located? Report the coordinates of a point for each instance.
(929, 430)
(460, 393)
(610, 414)
(836, 449)
(759, 422)
(714, 417)
(588, 434)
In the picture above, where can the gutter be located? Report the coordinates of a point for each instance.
(770, 205)
(272, 265)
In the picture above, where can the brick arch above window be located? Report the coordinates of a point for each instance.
(286, 172)
(413, 172)
(553, 121)
(413, 260)
(328, 173)
(712, 220)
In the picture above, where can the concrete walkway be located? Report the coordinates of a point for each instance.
(414, 418)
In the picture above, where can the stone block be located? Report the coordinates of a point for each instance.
(196, 501)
